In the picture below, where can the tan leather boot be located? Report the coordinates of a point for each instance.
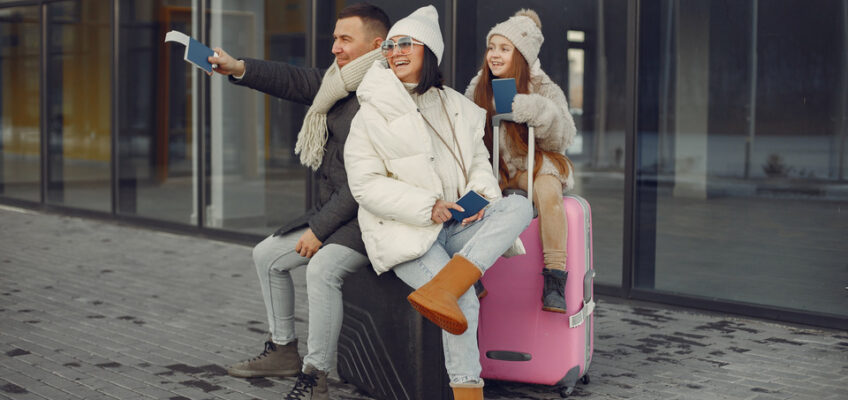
(467, 391)
(436, 300)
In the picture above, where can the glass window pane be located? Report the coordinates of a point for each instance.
(20, 166)
(157, 109)
(256, 182)
(742, 126)
(584, 52)
(79, 105)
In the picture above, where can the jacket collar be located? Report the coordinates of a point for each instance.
(381, 89)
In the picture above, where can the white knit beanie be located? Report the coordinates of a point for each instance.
(524, 30)
(422, 25)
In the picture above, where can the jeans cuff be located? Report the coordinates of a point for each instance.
(460, 379)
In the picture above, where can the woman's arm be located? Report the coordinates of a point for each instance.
(370, 185)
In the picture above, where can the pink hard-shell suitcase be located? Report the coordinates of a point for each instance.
(517, 340)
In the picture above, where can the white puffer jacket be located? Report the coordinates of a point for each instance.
(389, 158)
(546, 109)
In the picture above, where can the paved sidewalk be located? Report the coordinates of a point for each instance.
(92, 309)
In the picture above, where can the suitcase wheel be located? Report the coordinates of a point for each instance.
(585, 379)
(565, 391)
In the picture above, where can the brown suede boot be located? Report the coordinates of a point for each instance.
(467, 391)
(436, 300)
(311, 385)
(276, 360)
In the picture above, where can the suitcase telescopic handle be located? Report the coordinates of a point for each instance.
(496, 149)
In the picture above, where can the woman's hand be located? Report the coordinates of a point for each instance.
(475, 217)
(441, 211)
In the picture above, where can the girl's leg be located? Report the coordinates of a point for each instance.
(553, 229)
(552, 223)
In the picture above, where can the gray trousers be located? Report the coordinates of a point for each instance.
(274, 257)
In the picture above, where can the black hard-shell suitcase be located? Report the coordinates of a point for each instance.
(386, 348)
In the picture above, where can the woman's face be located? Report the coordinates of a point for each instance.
(499, 56)
(407, 67)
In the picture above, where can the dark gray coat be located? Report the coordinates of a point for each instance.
(333, 217)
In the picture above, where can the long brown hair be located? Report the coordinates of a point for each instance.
(516, 134)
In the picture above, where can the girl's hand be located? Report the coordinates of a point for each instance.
(441, 211)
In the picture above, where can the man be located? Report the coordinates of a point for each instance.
(331, 244)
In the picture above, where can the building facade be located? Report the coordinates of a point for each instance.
(711, 133)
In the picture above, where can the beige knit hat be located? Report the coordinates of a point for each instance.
(422, 25)
(524, 30)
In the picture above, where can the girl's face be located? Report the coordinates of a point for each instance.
(407, 67)
(499, 56)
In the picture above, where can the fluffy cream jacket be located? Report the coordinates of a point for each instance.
(389, 158)
(546, 109)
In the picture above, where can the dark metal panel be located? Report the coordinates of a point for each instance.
(42, 112)
(113, 160)
(312, 62)
(202, 117)
(450, 43)
(631, 90)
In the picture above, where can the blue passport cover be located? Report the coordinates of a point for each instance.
(472, 203)
(197, 52)
(503, 90)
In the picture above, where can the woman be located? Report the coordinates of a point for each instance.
(414, 148)
(512, 52)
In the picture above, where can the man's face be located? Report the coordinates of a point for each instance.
(351, 40)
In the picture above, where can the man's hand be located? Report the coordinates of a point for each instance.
(441, 211)
(227, 65)
(308, 244)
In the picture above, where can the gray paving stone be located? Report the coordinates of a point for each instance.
(111, 311)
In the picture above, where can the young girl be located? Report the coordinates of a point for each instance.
(512, 52)
(414, 148)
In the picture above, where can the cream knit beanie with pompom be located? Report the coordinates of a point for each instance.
(524, 30)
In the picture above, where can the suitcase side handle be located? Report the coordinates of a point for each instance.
(496, 149)
(588, 302)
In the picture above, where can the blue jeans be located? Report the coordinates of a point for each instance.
(481, 242)
(274, 257)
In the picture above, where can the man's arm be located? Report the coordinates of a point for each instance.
(278, 79)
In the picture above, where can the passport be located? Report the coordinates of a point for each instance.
(472, 203)
(503, 90)
(195, 52)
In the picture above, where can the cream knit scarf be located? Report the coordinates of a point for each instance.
(336, 85)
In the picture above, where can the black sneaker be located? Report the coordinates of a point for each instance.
(311, 385)
(553, 294)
